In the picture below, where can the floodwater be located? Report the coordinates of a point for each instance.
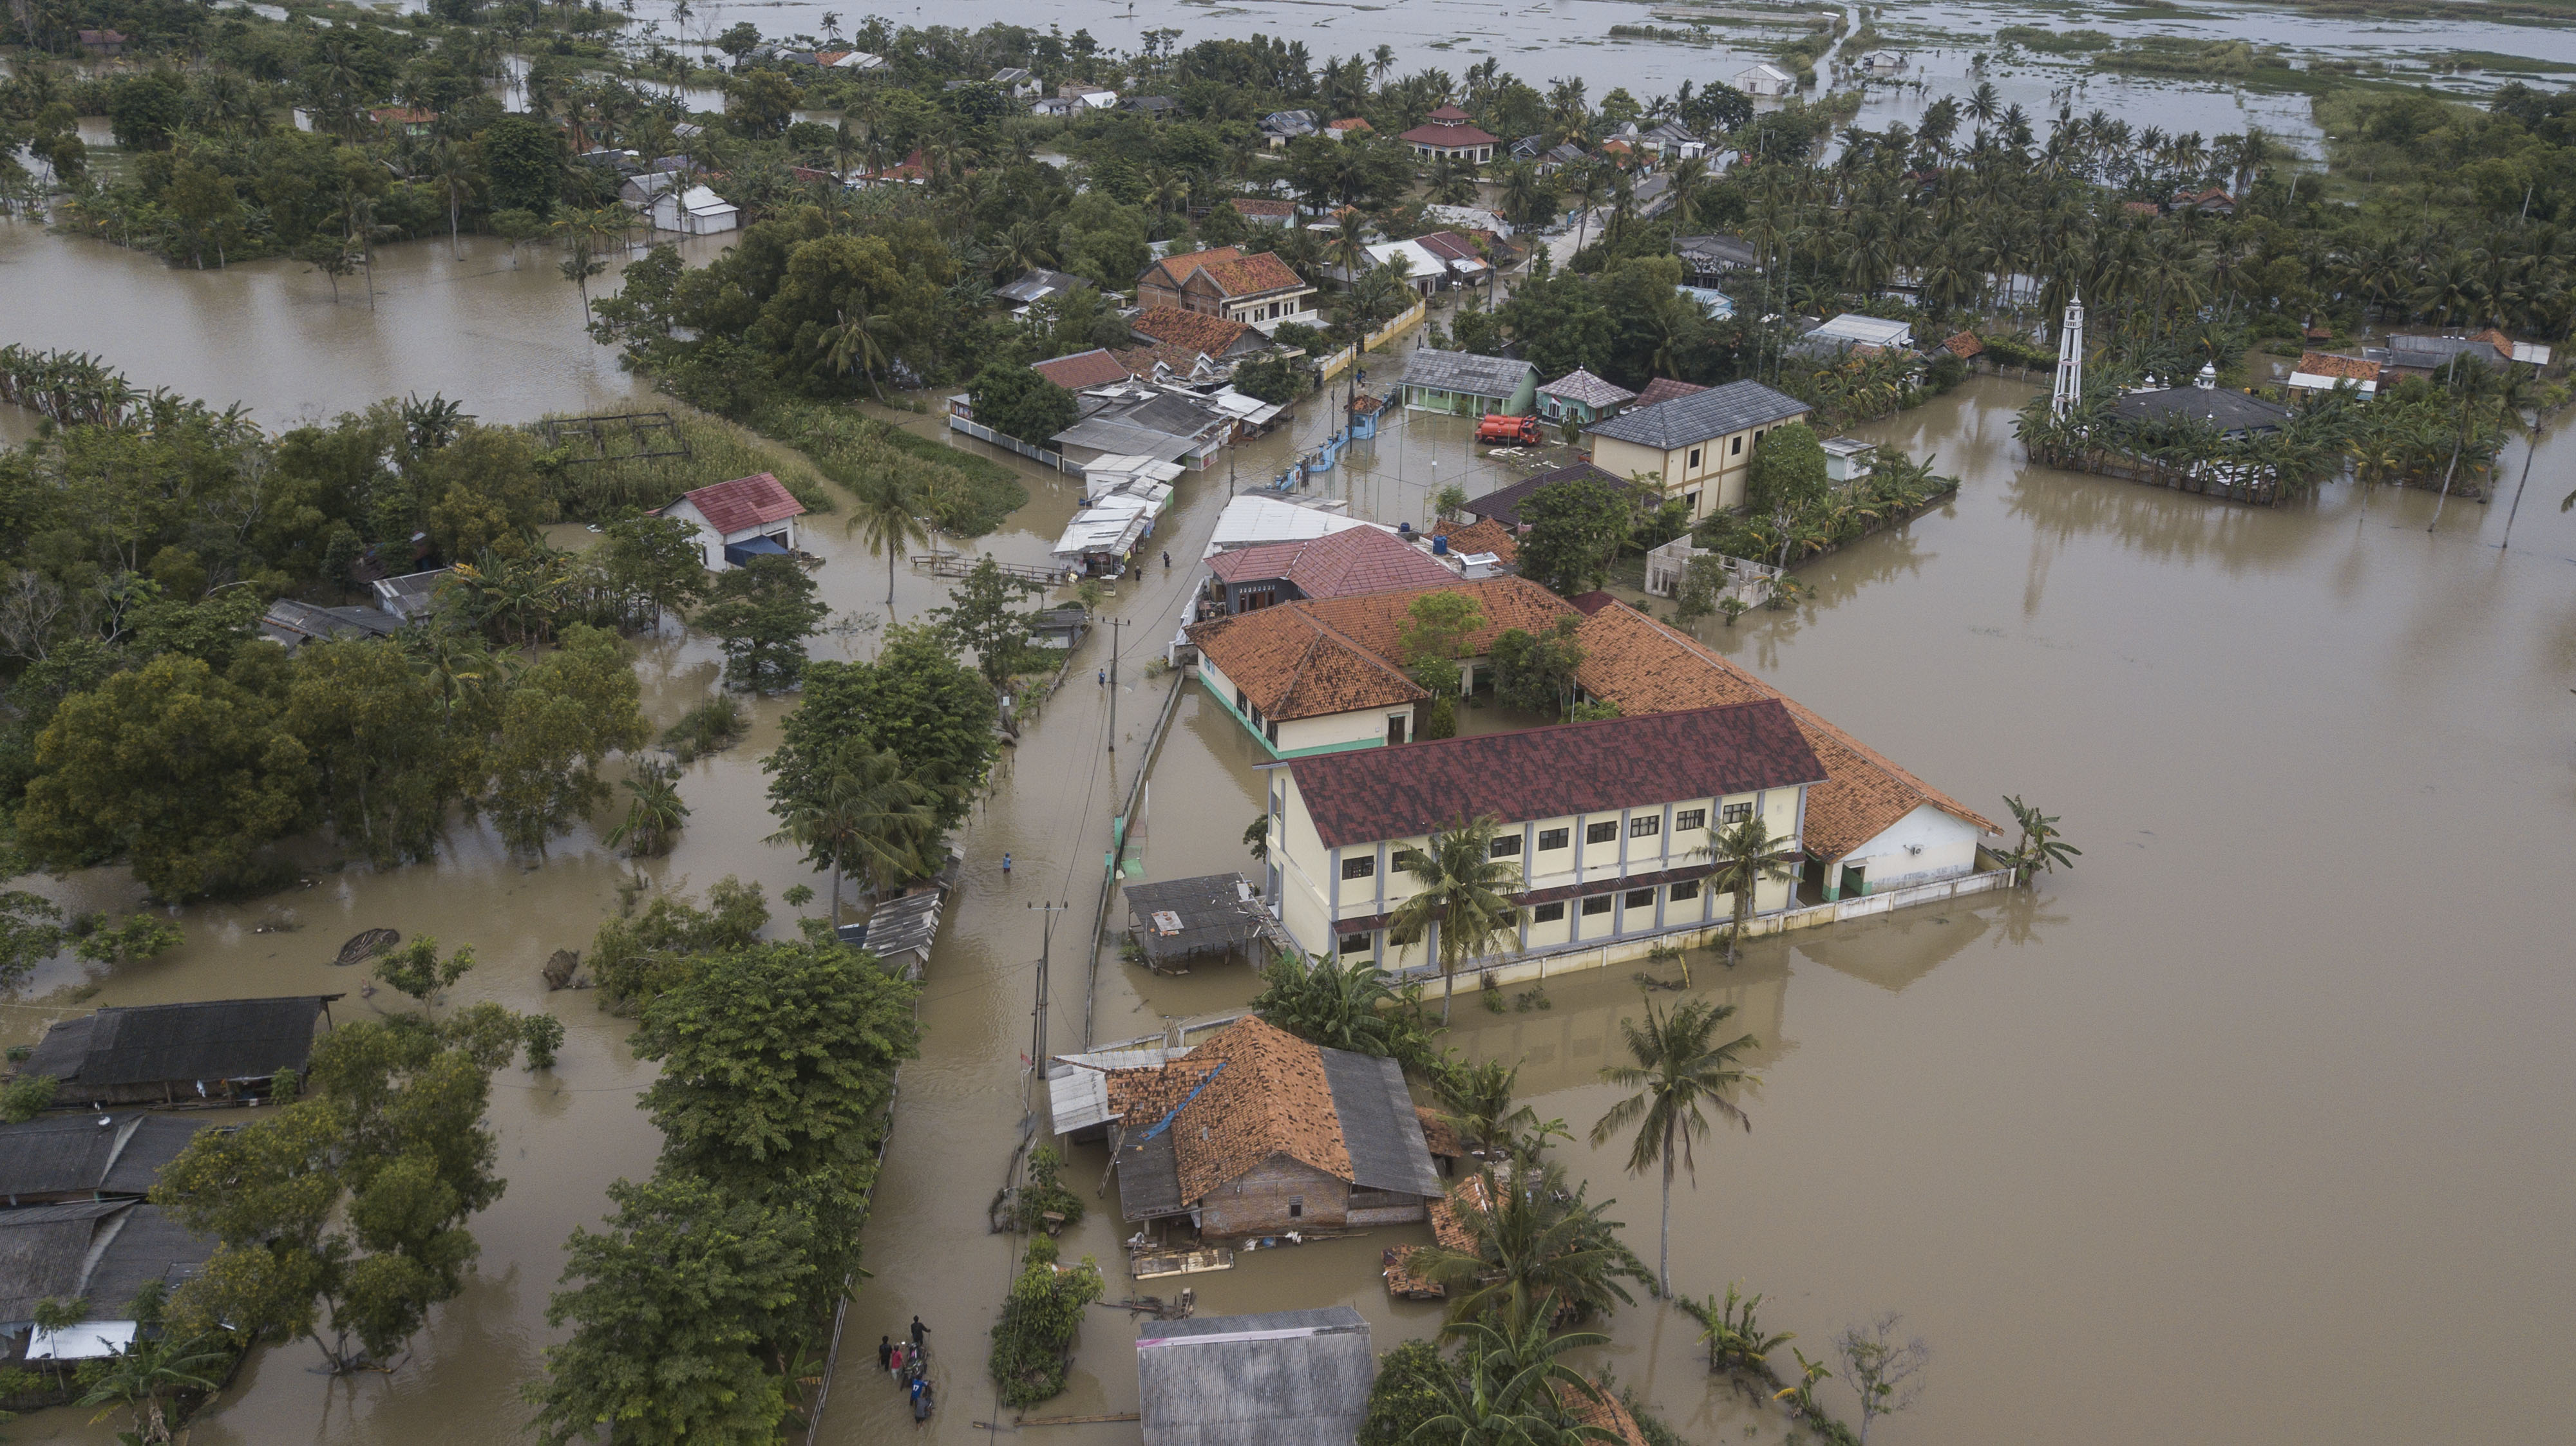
(2160, 1148)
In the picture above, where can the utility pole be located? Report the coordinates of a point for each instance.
(1038, 1030)
(1114, 625)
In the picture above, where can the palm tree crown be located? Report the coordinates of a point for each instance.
(1680, 1076)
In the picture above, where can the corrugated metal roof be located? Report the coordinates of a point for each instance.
(1458, 371)
(1285, 1378)
(1388, 1151)
(1686, 421)
(214, 1040)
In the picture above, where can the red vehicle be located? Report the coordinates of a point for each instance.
(1499, 430)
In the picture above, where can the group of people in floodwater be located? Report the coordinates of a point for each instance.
(905, 1364)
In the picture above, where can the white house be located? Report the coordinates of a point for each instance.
(1766, 80)
(1605, 821)
(697, 211)
(742, 519)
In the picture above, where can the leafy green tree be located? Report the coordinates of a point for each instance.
(654, 564)
(761, 614)
(386, 764)
(144, 110)
(671, 1307)
(1012, 398)
(26, 1096)
(1787, 478)
(641, 953)
(31, 932)
(916, 699)
(862, 812)
(1414, 1385)
(1032, 1341)
(1479, 1102)
(523, 160)
(1461, 901)
(777, 1067)
(185, 773)
(342, 1215)
(416, 970)
(1536, 671)
(543, 1034)
(568, 712)
(979, 618)
(1680, 1074)
(1575, 532)
(132, 940)
(760, 103)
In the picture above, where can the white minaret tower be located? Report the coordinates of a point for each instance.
(2070, 360)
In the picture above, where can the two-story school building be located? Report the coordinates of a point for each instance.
(1608, 823)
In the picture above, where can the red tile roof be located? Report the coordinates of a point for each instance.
(1354, 123)
(744, 503)
(1139, 360)
(1385, 793)
(1197, 330)
(1093, 368)
(1646, 667)
(1965, 345)
(2328, 364)
(1177, 269)
(1260, 209)
(1450, 115)
(1252, 275)
(1341, 564)
(1663, 389)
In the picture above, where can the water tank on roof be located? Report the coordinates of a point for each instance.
(1404, 527)
(1440, 546)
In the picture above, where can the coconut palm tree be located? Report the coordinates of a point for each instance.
(1461, 899)
(853, 343)
(1538, 1249)
(2530, 402)
(887, 519)
(1746, 855)
(867, 815)
(1680, 1076)
(1513, 1388)
(1477, 1101)
(151, 1368)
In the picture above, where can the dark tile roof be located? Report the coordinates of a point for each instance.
(148, 1044)
(149, 1248)
(1503, 504)
(42, 1251)
(1387, 793)
(1459, 371)
(1093, 368)
(2228, 411)
(70, 1154)
(1687, 421)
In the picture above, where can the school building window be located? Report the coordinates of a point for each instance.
(1362, 867)
(1354, 944)
(1597, 904)
(1735, 813)
(1506, 846)
(1686, 889)
(1548, 914)
(1690, 818)
(1594, 833)
(1641, 898)
(1646, 825)
(1550, 838)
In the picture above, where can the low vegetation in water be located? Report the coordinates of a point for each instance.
(711, 727)
(1033, 1341)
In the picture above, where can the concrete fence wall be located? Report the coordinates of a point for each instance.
(1039, 455)
(1510, 969)
(1405, 320)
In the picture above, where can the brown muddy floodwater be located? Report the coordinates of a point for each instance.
(2255, 1126)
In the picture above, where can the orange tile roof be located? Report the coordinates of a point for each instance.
(1139, 360)
(2494, 338)
(1093, 368)
(2142, 208)
(1646, 667)
(1270, 1099)
(1291, 666)
(1353, 123)
(1965, 345)
(1252, 274)
(1486, 536)
(1446, 1225)
(1338, 564)
(1376, 621)
(1178, 268)
(2328, 364)
(1255, 206)
(1195, 329)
